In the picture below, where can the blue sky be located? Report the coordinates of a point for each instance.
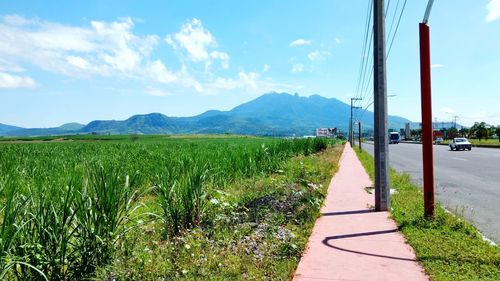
(77, 61)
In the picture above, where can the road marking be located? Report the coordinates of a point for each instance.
(462, 159)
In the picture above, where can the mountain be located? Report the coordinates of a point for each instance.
(71, 126)
(270, 114)
(66, 129)
(4, 129)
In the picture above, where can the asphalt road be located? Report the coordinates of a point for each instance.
(467, 182)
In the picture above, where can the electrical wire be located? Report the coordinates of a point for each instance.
(366, 95)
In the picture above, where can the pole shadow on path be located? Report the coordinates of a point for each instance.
(328, 241)
(347, 213)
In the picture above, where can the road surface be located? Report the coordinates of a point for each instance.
(467, 182)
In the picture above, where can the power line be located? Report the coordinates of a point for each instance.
(397, 27)
(365, 82)
(393, 18)
(364, 51)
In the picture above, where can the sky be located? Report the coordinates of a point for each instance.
(78, 61)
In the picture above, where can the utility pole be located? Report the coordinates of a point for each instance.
(351, 139)
(425, 88)
(359, 135)
(382, 200)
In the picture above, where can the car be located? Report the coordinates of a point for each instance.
(438, 140)
(460, 144)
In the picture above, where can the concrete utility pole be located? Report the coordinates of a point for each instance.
(351, 138)
(425, 88)
(382, 200)
(359, 135)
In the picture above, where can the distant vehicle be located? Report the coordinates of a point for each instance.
(438, 140)
(394, 137)
(460, 144)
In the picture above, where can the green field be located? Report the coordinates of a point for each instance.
(158, 207)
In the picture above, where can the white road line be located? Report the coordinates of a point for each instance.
(462, 159)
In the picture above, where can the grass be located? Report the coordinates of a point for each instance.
(448, 247)
(153, 207)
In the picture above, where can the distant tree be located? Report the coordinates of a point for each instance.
(416, 133)
(464, 132)
(497, 132)
(445, 133)
(452, 133)
(491, 131)
(480, 130)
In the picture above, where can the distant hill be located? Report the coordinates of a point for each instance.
(270, 114)
(69, 128)
(4, 129)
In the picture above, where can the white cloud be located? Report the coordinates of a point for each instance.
(78, 62)
(108, 49)
(194, 38)
(113, 50)
(188, 81)
(223, 57)
(318, 55)
(158, 72)
(9, 66)
(447, 110)
(196, 42)
(493, 8)
(300, 42)
(156, 92)
(244, 80)
(102, 48)
(437, 65)
(338, 40)
(249, 79)
(296, 68)
(250, 83)
(14, 81)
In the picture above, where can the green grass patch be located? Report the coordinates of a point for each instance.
(448, 247)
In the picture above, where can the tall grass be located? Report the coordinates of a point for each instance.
(182, 199)
(66, 207)
(104, 205)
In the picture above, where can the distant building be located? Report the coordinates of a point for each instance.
(407, 133)
(443, 125)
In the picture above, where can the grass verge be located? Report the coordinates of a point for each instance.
(448, 247)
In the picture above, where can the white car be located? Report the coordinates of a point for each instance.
(460, 144)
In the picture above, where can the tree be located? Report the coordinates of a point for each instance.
(445, 133)
(491, 131)
(480, 130)
(497, 132)
(464, 132)
(452, 133)
(416, 133)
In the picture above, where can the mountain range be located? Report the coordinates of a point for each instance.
(276, 114)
